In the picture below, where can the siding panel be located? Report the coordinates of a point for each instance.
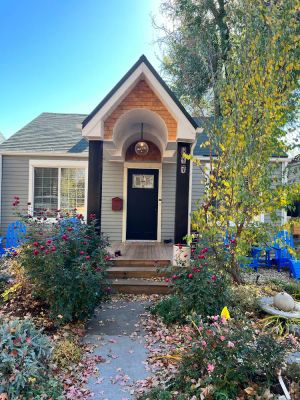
(112, 187)
(15, 182)
(168, 201)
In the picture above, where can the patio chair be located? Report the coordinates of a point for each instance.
(14, 237)
(283, 257)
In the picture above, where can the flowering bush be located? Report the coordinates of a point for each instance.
(197, 289)
(24, 354)
(66, 264)
(229, 356)
(227, 360)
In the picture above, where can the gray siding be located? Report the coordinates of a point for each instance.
(112, 187)
(168, 201)
(198, 186)
(278, 176)
(15, 182)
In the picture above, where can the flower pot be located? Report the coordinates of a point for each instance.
(181, 255)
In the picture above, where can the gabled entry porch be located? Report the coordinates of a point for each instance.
(137, 137)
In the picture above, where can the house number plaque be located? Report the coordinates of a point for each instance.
(183, 160)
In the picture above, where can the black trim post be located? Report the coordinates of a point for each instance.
(182, 193)
(95, 180)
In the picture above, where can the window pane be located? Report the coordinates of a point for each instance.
(72, 189)
(45, 190)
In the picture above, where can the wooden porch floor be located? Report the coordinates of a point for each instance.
(142, 251)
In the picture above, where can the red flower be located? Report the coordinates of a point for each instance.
(53, 248)
(16, 197)
(107, 258)
(201, 256)
(79, 216)
(190, 276)
(70, 229)
(49, 242)
(81, 253)
(64, 237)
(87, 257)
(42, 247)
(92, 216)
(167, 280)
(174, 277)
(214, 278)
(35, 252)
(36, 244)
(85, 243)
(233, 241)
(47, 251)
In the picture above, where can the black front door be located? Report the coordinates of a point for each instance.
(142, 199)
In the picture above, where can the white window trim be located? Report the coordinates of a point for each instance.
(55, 164)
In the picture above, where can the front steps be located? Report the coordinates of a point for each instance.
(139, 276)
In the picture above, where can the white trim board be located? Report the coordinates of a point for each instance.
(95, 127)
(55, 164)
(129, 165)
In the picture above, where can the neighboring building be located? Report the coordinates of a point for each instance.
(2, 138)
(95, 162)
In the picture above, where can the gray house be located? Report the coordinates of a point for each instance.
(122, 162)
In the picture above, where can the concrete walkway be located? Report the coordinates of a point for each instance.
(118, 336)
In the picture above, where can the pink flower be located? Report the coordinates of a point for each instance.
(215, 317)
(190, 276)
(81, 253)
(42, 247)
(35, 252)
(47, 251)
(53, 248)
(203, 342)
(174, 277)
(214, 278)
(49, 242)
(222, 338)
(167, 280)
(210, 367)
(230, 344)
(87, 257)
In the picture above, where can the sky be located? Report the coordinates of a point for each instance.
(66, 55)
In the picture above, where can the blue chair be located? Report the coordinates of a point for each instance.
(14, 237)
(283, 257)
(69, 222)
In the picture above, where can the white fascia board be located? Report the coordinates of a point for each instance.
(273, 159)
(95, 127)
(43, 154)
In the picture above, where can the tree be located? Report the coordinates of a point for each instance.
(195, 49)
(257, 95)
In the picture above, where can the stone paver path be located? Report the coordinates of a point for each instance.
(117, 334)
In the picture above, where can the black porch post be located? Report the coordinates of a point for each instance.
(95, 180)
(182, 192)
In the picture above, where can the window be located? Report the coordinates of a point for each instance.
(59, 188)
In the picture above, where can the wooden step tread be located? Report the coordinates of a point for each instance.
(152, 263)
(131, 268)
(138, 282)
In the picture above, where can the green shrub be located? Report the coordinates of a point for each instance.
(197, 289)
(66, 353)
(169, 309)
(47, 389)
(24, 356)
(66, 267)
(228, 356)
